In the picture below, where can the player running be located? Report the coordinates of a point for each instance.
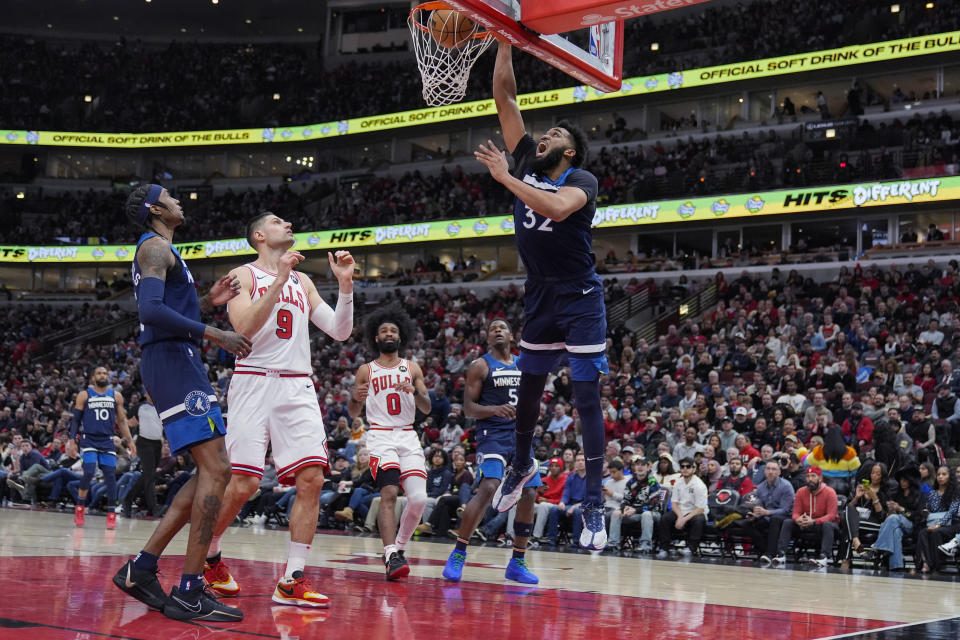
(392, 389)
(272, 398)
(564, 312)
(176, 379)
(491, 397)
(97, 409)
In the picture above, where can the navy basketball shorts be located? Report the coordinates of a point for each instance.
(564, 320)
(98, 451)
(176, 379)
(495, 450)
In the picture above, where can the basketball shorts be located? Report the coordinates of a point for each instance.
(279, 409)
(396, 448)
(495, 451)
(176, 379)
(564, 321)
(99, 451)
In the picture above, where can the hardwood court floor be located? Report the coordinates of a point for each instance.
(56, 583)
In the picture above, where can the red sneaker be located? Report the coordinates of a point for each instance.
(78, 515)
(219, 579)
(111, 520)
(299, 592)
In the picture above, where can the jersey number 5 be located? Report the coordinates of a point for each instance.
(530, 219)
(284, 324)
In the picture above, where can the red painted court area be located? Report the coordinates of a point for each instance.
(60, 598)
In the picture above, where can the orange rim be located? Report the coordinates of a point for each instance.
(434, 5)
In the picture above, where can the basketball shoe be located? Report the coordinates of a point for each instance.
(454, 567)
(299, 592)
(396, 566)
(141, 584)
(594, 534)
(518, 571)
(508, 493)
(218, 578)
(205, 607)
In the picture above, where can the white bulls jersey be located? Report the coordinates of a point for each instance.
(387, 407)
(282, 343)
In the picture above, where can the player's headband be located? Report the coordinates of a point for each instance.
(153, 195)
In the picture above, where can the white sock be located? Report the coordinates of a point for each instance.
(297, 553)
(214, 546)
(389, 550)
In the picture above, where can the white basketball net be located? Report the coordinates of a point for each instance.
(445, 70)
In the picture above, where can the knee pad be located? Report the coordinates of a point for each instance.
(522, 529)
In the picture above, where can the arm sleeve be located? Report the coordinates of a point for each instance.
(155, 313)
(75, 422)
(336, 323)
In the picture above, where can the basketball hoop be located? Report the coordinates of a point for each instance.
(445, 62)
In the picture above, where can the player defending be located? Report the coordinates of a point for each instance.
(176, 379)
(563, 300)
(95, 413)
(491, 397)
(392, 389)
(272, 398)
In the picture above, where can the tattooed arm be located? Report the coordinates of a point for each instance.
(154, 259)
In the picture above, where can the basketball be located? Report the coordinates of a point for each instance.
(450, 29)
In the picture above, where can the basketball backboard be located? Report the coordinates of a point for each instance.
(535, 26)
(600, 69)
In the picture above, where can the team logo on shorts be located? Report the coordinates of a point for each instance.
(197, 403)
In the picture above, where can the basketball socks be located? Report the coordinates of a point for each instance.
(190, 584)
(528, 410)
(518, 554)
(145, 561)
(297, 553)
(462, 544)
(587, 396)
(213, 553)
(389, 550)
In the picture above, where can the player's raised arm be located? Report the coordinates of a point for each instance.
(505, 96)
(336, 323)
(358, 397)
(247, 316)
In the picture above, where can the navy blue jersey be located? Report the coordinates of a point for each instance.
(499, 387)
(179, 293)
(554, 250)
(99, 415)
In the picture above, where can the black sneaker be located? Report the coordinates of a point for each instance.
(205, 608)
(396, 566)
(141, 584)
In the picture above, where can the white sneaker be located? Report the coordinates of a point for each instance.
(662, 554)
(820, 561)
(594, 535)
(780, 558)
(765, 560)
(950, 548)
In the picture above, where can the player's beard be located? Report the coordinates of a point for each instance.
(548, 162)
(388, 347)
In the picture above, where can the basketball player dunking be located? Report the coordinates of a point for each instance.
(96, 411)
(564, 312)
(491, 396)
(272, 397)
(392, 389)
